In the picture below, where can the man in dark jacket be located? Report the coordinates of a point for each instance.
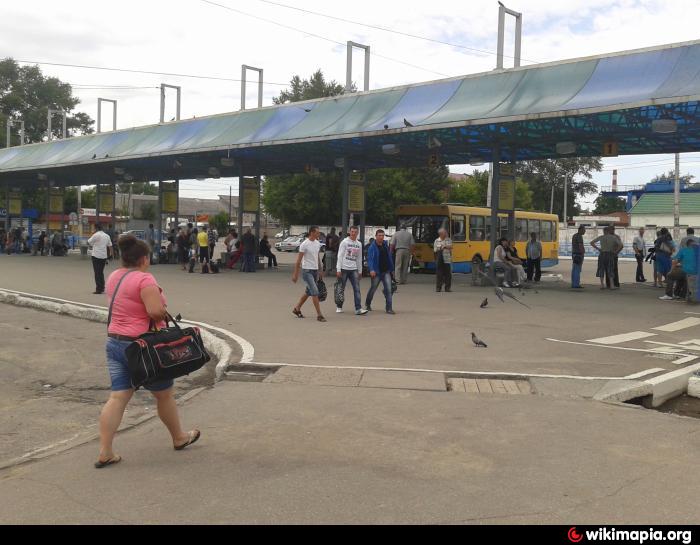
(380, 265)
(248, 241)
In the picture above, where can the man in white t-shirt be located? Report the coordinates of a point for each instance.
(101, 245)
(309, 262)
(350, 268)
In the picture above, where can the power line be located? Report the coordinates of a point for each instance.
(336, 42)
(390, 30)
(133, 71)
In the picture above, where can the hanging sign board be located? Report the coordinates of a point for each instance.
(611, 149)
(105, 199)
(356, 198)
(506, 187)
(56, 197)
(169, 198)
(251, 196)
(15, 208)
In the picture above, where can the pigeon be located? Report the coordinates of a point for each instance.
(499, 293)
(407, 122)
(178, 318)
(386, 127)
(478, 342)
(94, 156)
(485, 303)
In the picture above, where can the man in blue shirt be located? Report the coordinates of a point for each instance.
(684, 265)
(381, 266)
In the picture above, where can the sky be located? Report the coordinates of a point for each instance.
(213, 38)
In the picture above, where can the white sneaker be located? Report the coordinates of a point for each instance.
(506, 285)
(338, 310)
(360, 312)
(666, 298)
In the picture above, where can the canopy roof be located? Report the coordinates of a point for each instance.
(662, 203)
(528, 110)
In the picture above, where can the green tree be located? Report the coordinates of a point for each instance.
(148, 212)
(26, 94)
(314, 87)
(220, 223)
(671, 177)
(543, 175)
(474, 191)
(606, 205)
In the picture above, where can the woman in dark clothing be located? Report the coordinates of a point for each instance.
(266, 251)
(183, 248)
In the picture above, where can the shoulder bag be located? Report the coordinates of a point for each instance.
(162, 354)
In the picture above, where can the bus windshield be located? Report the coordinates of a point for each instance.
(424, 228)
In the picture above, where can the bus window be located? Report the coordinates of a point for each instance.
(429, 227)
(534, 227)
(477, 229)
(412, 224)
(547, 232)
(521, 233)
(459, 228)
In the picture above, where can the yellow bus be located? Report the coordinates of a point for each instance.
(470, 231)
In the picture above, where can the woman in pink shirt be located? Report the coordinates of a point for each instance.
(138, 301)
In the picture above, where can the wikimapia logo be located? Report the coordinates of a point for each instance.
(634, 536)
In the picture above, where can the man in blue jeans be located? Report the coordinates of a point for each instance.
(380, 265)
(350, 268)
(578, 251)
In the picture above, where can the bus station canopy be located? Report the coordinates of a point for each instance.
(626, 103)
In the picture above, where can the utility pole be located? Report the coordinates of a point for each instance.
(677, 200)
(229, 206)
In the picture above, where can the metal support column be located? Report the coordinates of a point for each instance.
(495, 180)
(48, 209)
(257, 220)
(363, 215)
(114, 207)
(345, 219)
(177, 206)
(50, 116)
(7, 207)
(10, 124)
(240, 201)
(159, 223)
(677, 200)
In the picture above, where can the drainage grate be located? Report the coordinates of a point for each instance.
(488, 386)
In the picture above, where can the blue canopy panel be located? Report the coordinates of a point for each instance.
(528, 110)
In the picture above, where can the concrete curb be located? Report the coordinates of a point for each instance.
(215, 344)
(694, 386)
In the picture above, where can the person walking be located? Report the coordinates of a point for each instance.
(266, 251)
(640, 252)
(442, 247)
(533, 254)
(211, 237)
(101, 250)
(136, 300)
(381, 267)
(403, 245)
(203, 244)
(248, 243)
(331, 255)
(309, 264)
(609, 248)
(183, 248)
(349, 267)
(150, 236)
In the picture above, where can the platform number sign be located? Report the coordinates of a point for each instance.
(611, 149)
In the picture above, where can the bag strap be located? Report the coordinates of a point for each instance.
(114, 296)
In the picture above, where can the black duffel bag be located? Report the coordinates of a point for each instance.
(166, 353)
(163, 354)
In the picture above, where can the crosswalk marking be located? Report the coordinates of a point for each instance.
(625, 337)
(678, 326)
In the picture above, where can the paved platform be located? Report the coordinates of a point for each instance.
(588, 333)
(287, 453)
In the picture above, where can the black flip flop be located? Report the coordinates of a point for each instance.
(111, 461)
(191, 441)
